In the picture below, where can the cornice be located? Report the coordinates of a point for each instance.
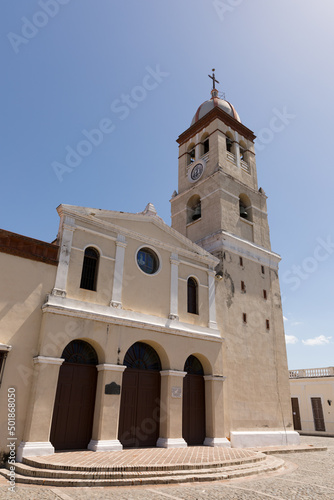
(95, 312)
(216, 112)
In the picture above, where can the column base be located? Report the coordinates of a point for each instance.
(33, 449)
(105, 445)
(221, 442)
(171, 443)
(251, 439)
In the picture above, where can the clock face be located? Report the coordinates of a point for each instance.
(196, 172)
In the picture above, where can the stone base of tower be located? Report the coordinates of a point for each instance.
(255, 439)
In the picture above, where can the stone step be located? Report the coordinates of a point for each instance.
(27, 470)
(147, 477)
(34, 462)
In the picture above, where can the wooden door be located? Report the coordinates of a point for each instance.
(74, 407)
(193, 413)
(296, 414)
(318, 416)
(140, 408)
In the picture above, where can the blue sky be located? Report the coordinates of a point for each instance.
(68, 69)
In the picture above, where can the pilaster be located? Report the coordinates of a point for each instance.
(174, 286)
(107, 407)
(214, 406)
(171, 410)
(116, 299)
(39, 418)
(64, 256)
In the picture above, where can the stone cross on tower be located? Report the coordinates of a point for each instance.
(214, 81)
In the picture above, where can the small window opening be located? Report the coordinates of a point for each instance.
(262, 269)
(242, 210)
(192, 296)
(206, 146)
(244, 317)
(241, 262)
(89, 269)
(242, 154)
(243, 288)
(267, 324)
(265, 294)
(191, 156)
(194, 209)
(229, 145)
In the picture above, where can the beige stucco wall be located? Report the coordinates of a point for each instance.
(24, 285)
(319, 387)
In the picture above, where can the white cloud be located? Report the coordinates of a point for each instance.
(285, 318)
(321, 340)
(291, 339)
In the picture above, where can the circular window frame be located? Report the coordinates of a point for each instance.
(157, 256)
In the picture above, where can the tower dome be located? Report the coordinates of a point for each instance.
(215, 101)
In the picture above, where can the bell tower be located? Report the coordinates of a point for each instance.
(219, 206)
(217, 184)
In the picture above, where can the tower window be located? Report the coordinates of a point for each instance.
(243, 288)
(229, 145)
(89, 269)
(267, 324)
(194, 209)
(191, 156)
(206, 146)
(192, 296)
(244, 317)
(265, 294)
(241, 262)
(245, 209)
(262, 269)
(242, 154)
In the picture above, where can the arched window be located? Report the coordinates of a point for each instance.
(229, 142)
(194, 209)
(79, 351)
(191, 154)
(243, 151)
(245, 209)
(192, 296)
(205, 146)
(141, 356)
(193, 366)
(89, 269)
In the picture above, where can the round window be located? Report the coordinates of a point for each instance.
(147, 260)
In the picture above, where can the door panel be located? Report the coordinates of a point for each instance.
(296, 414)
(193, 415)
(74, 407)
(140, 407)
(318, 416)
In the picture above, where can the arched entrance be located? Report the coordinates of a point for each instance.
(193, 412)
(140, 401)
(73, 412)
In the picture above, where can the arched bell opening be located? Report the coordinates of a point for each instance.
(139, 420)
(73, 412)
(194, 209)
(193, 414)
(245, 208)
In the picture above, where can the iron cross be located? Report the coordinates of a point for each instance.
(214, 81)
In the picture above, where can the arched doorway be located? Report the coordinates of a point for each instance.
(140, 401)
(193, 413)
(73, 412)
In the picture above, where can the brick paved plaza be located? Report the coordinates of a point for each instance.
(306, 475)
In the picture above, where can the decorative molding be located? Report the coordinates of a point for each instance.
(172, 373)
(33, 449)
(48, 361)
(173, 317)
(110, 367)
(171, 443)
(5, 347)
(215, 378)
(217, 442)
(106, 314)
(105, 445)
(251, 439)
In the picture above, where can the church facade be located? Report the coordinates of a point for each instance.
(126, 332)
